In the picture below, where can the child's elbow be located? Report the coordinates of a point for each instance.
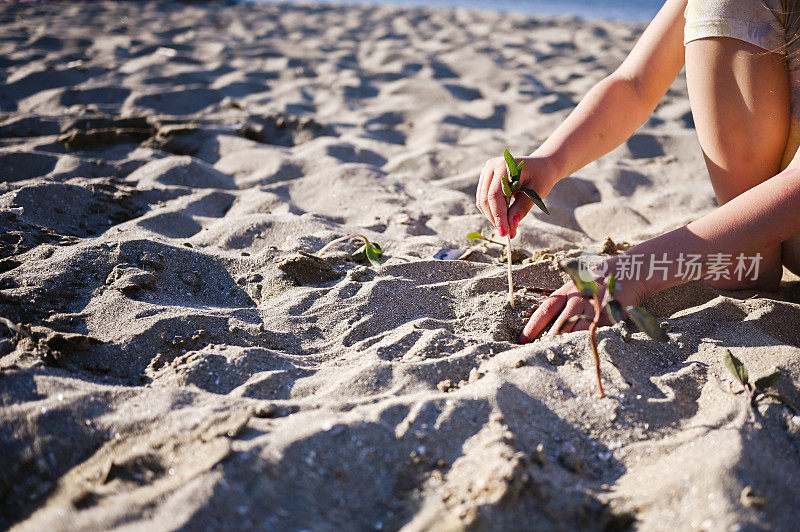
(638, 98)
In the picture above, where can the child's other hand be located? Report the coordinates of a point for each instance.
(562, 308)
(536, 174)
(567, 303)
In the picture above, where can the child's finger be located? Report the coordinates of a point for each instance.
(480, 192)
(487, 182)
(513, 222)
(582, 325)
(548, 310)
(497, 205)
(563, 324)
(520, 208)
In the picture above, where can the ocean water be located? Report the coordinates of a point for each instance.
(624, 10)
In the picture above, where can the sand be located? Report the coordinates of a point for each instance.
(169, 359)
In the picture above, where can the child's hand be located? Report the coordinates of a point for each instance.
(562, 305)
(567, 303)
(536, 174)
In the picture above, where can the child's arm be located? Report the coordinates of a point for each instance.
(603, 120)
(757, 219)
(764, 216)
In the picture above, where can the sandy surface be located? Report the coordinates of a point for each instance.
(171, 360)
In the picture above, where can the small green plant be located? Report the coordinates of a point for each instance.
(757, 391)
(588, 286)
(371, 250)
(511, 185)
(478, 235)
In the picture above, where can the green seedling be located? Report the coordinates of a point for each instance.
(511, 185)
(371, 250)
(606, 301)
(476, 236)
(757, 391)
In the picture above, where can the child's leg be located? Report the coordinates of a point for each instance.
(790, 254)
(739, 95)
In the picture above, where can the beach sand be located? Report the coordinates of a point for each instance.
(169, 359)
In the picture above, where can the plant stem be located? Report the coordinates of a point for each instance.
(751, 394)
(508, 256)
(492, 241)
(593, 341)
(783, 400)
(510, 278)
(341, 239)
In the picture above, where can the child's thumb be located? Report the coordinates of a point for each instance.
(519, 209)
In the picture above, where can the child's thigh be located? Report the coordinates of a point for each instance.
(740, 101)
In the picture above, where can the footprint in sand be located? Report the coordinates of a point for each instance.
(182, 102)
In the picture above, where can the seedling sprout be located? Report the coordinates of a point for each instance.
(371, 250)
(477, 235)
(588, 286)
(512, 185)
(757, 391)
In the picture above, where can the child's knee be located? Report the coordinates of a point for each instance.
(790, 254)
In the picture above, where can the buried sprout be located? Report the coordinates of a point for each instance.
(759, 390)
(371, 250)
(478, 235)
(588, 286)
(512, 185)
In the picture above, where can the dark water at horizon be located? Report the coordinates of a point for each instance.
(623, 10)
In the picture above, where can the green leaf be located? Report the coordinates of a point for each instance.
(519, 167)
(615, 310)
(768, 381)
(475, 235)
(736, 367)
(373, 253)
(506, 186)
(647, 324)
(536, 199)
(580, 276)
(513, 169)
(611, 284)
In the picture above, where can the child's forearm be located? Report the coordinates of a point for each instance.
(610, 113)
(606, 117)
(764, 216)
